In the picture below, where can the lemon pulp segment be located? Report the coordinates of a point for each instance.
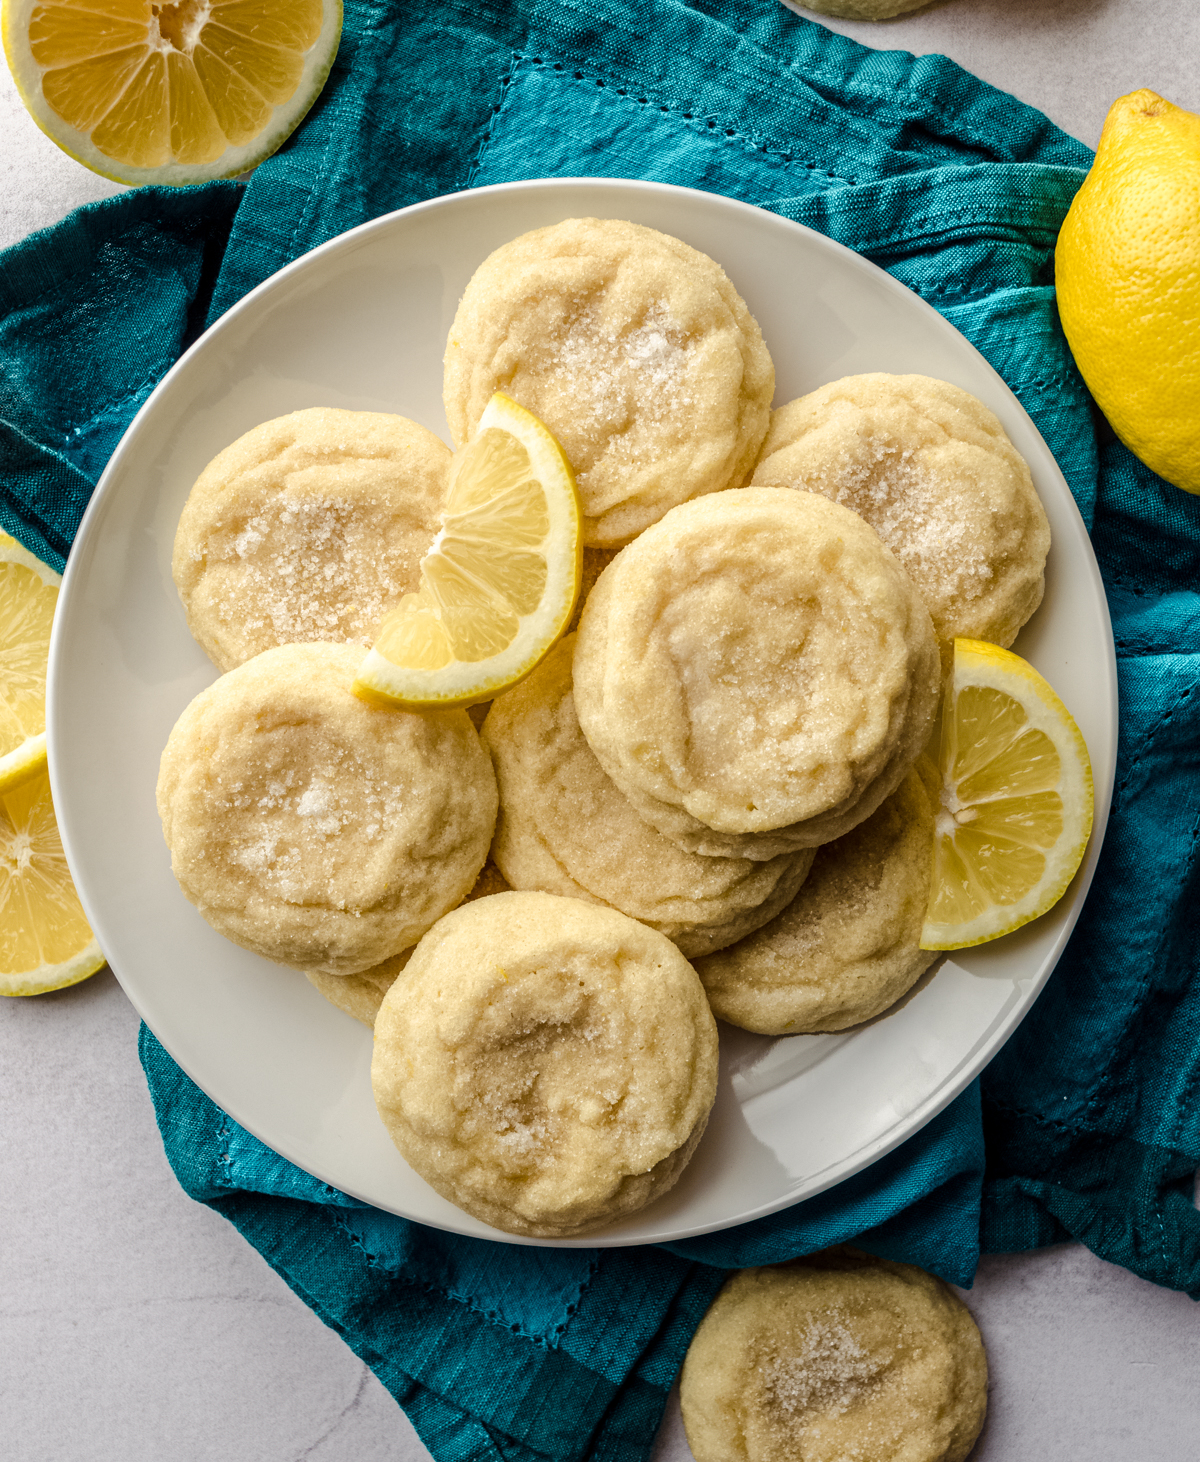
(45, 941)
(1015, 803)
(500, 579)
(487, 567)
(135, 88)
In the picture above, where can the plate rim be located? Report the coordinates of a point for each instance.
(1005, 1025)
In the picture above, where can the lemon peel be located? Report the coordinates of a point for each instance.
(1127, 267)
(1015, 807)
(500, 580)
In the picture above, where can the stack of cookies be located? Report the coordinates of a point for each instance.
(710, 798)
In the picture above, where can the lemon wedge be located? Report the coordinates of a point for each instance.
(170, 91)
(28, 594)
(498, 584)
(1015, 803)
(45, 942)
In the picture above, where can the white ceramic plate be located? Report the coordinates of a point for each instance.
(361, 322)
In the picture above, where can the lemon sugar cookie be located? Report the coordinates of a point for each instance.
(312, 828)
(933, 472)
(308, 527)
(635, 350)
(756, 672)
(545, 1064)
(834, 1357)
(361, 995)
(848, 945)
(564, 828)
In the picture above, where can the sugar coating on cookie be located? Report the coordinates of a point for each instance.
(635, 350)
(756, 672)
(933, 472)
(309, 527)
(317, 830)
(848, 945)
(565, 828)
(547, 1065)
(834, 1357)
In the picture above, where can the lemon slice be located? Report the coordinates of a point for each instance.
(45, 942)
(500, 580)
(170, 91)
(1016, 800)
(28, 594)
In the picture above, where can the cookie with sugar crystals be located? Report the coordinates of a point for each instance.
(565, 828)
(835, 1356)
(308, 527)
(756, 672)
(636, 351)
(848, 945)
(545, 1064)
(934, 473)
(313, 828)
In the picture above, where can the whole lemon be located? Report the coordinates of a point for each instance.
(1128, 273)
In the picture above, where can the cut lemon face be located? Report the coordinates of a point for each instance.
(45, 942)
(500, 581)
(170, 91)
(28, 594)
(1016, 800)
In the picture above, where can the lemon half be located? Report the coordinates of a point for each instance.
(1016, 800)
(500, 581)
(45, 941)
(170, 91)
(28, 594)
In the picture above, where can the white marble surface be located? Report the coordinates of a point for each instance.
(137, 1326)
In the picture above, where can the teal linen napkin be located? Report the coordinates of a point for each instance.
(502, 1351)
(1090, 1114)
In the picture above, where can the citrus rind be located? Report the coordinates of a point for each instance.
(236, 159)
(463, 682)
(1127, 276)
(42, 981)
(1037, 712)
(26, 761)
(13, 552)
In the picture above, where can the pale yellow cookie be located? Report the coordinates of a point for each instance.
(848, 945)
(634, 349)
(565, 828)
(832, 1358)
(756, 672)
(313, 828)
(933, 472)
(309, 527)
(545, 1064)
(362, 995)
